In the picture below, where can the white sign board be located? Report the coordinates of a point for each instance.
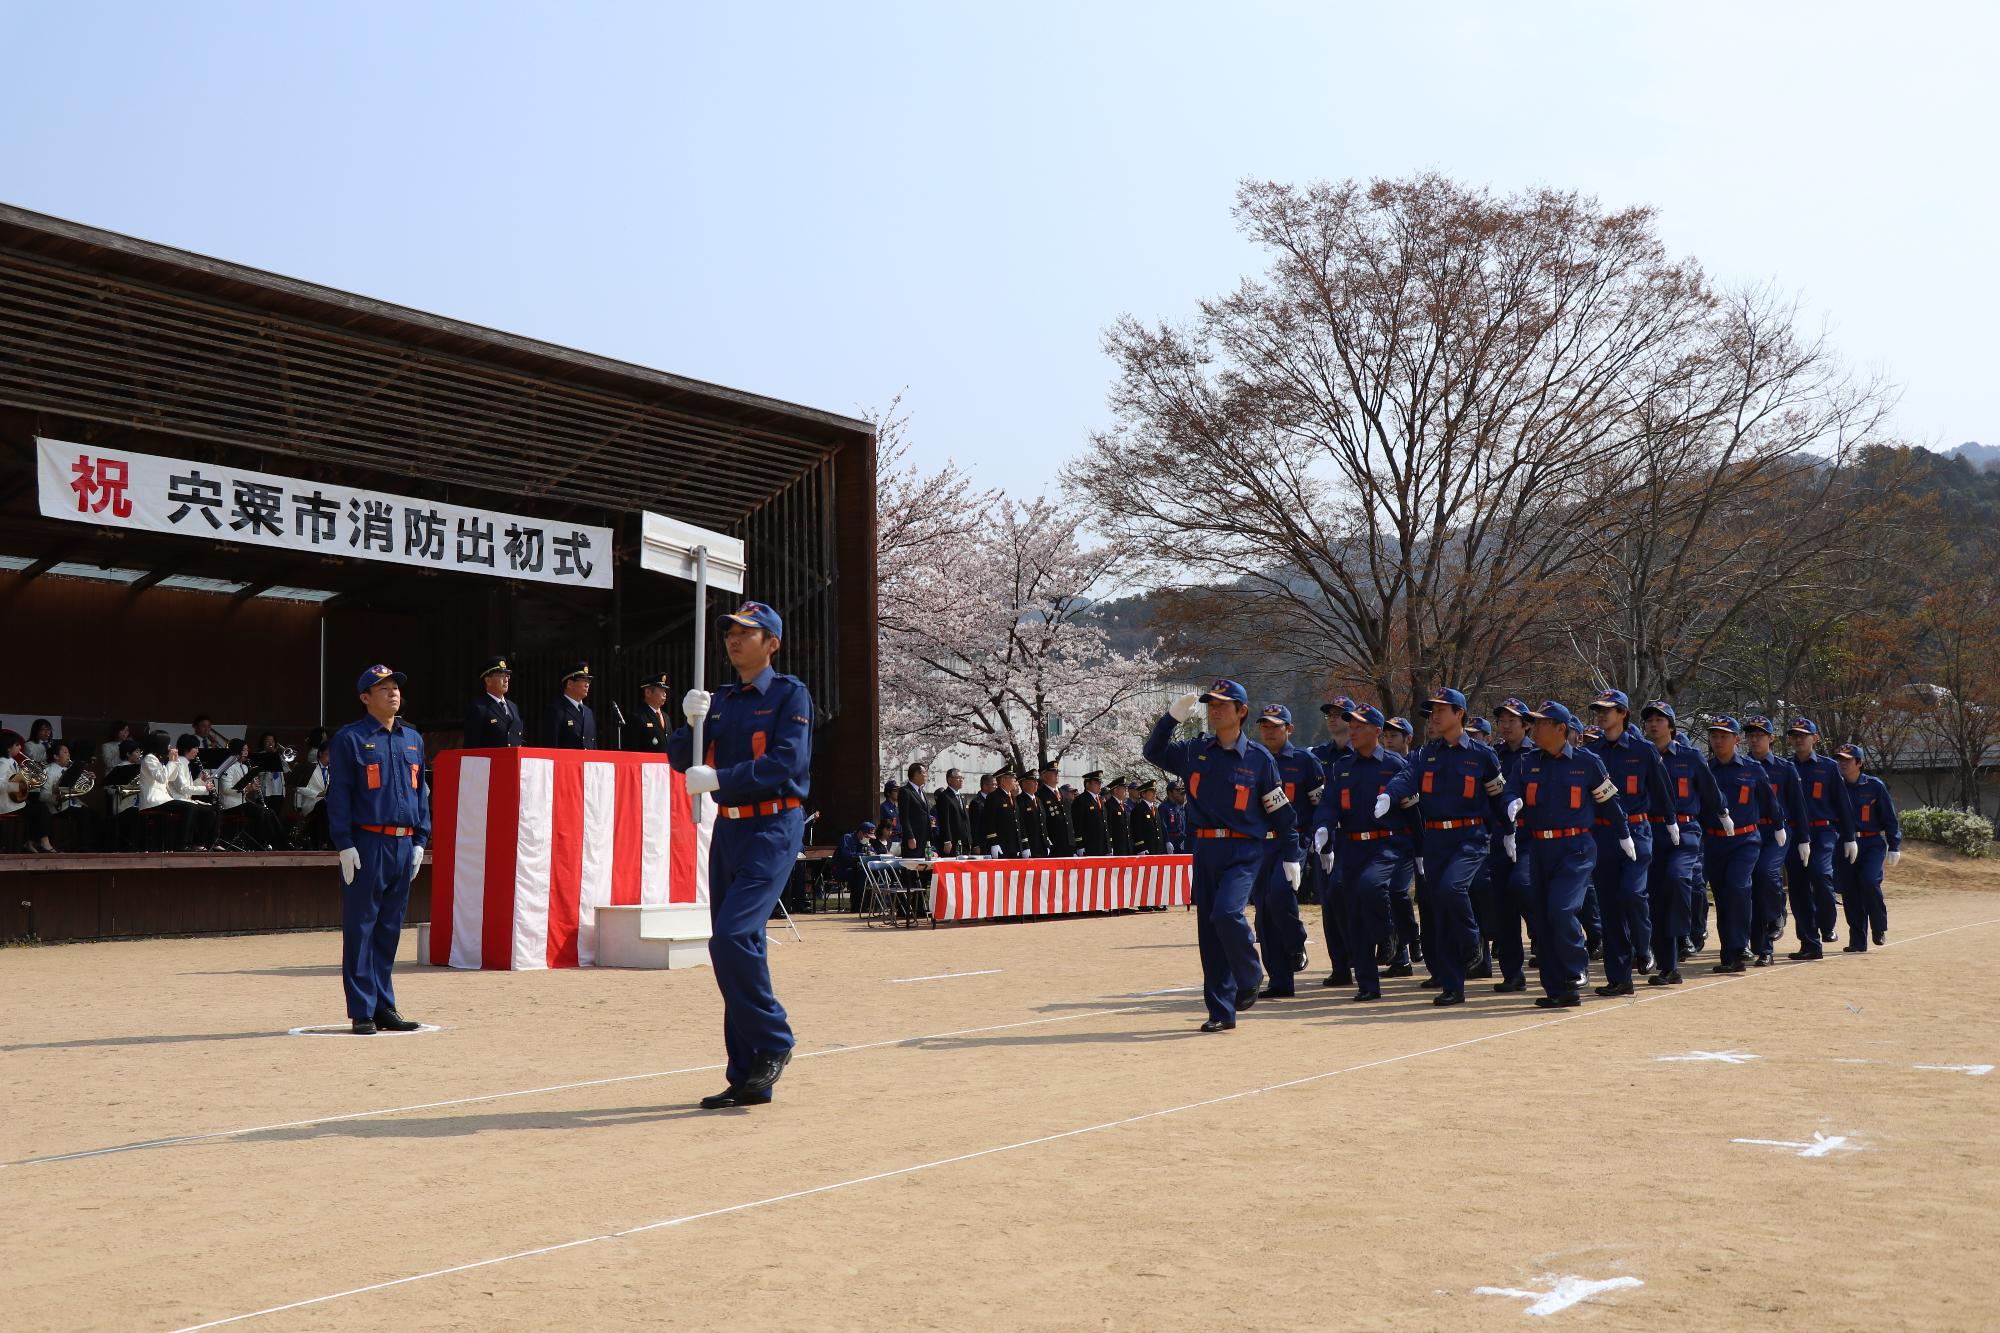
(117, 488)
(667, 546)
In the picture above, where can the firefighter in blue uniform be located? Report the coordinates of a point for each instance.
(1173, 819)
(1555, 794)
(1786, 826)
(1236, 803)
(1489, 887)
(1829, 819)
(1373, 850)
(1879, 838)
(1399, 738)
(1580, 737)
(378, 817)
(1733, 843)
(492, 720)
(1625, 839)
(1507, 876)
(570, 723)
(1454, 782)
(1281, 934)
(1325, 877)
(757, 761)
(1675, 878)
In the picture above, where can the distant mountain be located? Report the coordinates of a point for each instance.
(1981, 456)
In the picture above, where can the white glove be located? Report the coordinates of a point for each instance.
(1728, 825)
(1850, 850)
(1321, 837)
(416, 862)
(1326, 863)
(1507, 844)
(1781, 836)
(1805, 853)
(1895, 855)
(694, 705)
(1626, 845)
(1027, 853)
(994, 851)
(701, 778)
(1382, 805)
(350, 864)
(1182, 708)
(1513, 809)
(1291, 873)
(1674, 831)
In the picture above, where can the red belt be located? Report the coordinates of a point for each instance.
(1869, 833)
(1767, 823)
(1821, 823)
(389, 830)
(1373, 835)
(1556, 832)
(761, 808)
(1452, 823)
(1682, 820)
(1741, 831)
(1220, 833)
(1630, 819)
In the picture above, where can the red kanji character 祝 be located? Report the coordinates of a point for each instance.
(100, 486)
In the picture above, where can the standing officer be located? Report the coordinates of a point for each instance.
(1455, 784)
(1086, 818)
(1374, 849)
(1733, 844)
(988, 784)
(1641, 780)
(1281, 933)
(913, 812)
(1000, 817)
(1146, 836)
(1237, 802)
(1055, 813)
(954, 827)
(1880, 839)
(1675, 877)
(1173, 817)
(492, 722)
(378, 816)
(1555, 793)
(758, 761)
(651, 731)
(1399, 738)
(1829, 815)
(1507, 876)
(1034, 828)
(1488, 887)
(1787, 824)
(570, 724)
(1118, 818)
(1325, 879)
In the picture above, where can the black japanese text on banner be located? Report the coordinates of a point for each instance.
(117, 488)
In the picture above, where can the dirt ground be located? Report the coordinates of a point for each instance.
(1031, 1136)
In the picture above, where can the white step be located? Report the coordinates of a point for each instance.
(652, 936)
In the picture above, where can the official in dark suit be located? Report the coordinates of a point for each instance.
(650, 728)
(1000, 818)
(1034, 828)
(1086, 818)
(954, 822)
(1147, 839)
(1055, 815)
(913, 813)
(492, 722)
(569, 724)
(1118, 818)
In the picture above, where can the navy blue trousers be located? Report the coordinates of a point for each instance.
(749, 863)
(1768, 892)
(1559, 875)
(1371, 877)
(1332, 913)
(1731, 865)
(1452, 859)
(1281, 931)
(1516, 908)
(1621, 894)
(1861, 891)
(371, 922)
(1402, 906)
(1670, 881)
(1225, 875)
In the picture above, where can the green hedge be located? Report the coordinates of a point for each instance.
(1964, 831)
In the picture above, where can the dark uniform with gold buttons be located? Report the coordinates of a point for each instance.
(650, 729)
(569, 723)
(492, 721)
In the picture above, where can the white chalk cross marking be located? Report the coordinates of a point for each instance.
(1820, 1146)
(1563, 1293)
(1722, 1057)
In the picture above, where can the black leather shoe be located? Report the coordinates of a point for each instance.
(1731, 965)
(1533, 961)
(1481, 972)
(1763, 960)
(390, 1021)
(1596, 951)
(1558, 1001)
(736, 1097)
(1664, 978)
(1365, 996)
(1855, 948)
(1509, 987)
(1826, 937)
(764, 1071)
(1269, 994)
(1329, 981)
(1443, 998)
(1611, 988)
(1217, 1025)
(364, 1027)
(1400, 970)
(1881, 937)
(1430, 983)
(1299, 961)
(1245, 999)
(1643, 963)
(1344, 977)
(1803, 954)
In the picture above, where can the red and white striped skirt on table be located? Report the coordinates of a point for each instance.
(977, 890)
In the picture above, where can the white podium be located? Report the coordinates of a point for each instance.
(653, 935)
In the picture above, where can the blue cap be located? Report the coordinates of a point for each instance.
(867, 826)
(1517, 707)
(1662, 707)
(1593, 732)
(1369, 715)
(754, 615)
(374, 676)
(1758, 722)
(1479, 726)
(1852, 751)
(1802, 726)
(1225, 692)
(1725, 723)
(1402, 724)
(1340, 703)
(1612, 699)
(1551, 711)
(1276, 713)
(1446, 696)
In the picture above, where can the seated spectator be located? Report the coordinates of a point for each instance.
(17, 798)
(847, 856)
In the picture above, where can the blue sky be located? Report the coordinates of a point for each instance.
(828, 203)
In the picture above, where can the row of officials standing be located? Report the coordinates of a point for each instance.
(493, 721)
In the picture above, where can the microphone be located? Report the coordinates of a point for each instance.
(617, 712)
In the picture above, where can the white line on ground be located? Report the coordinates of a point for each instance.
(1820, 1146)
(1057, 1137)
(1562, 1293)
(946, 976)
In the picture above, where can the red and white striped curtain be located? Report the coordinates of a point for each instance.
(977, 890)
